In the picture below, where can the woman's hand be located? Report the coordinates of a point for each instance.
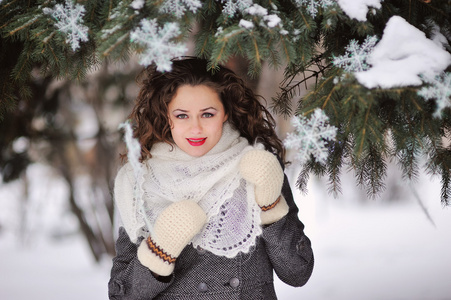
(173, 230)
(262, 169)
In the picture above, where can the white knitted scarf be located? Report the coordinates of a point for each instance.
(213, 181)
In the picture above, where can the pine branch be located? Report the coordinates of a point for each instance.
(309, 167)
(440, 164)
(22, 70)
(362, 137)
(226, 39)
(281, 104)
(371, 170)
(327, 101)
(118, 42)
(287, 50)
(374, 124)
(421, 204)
(8, 100)
(337, 154)
(24, 26)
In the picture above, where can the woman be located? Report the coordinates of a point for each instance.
(212, 215)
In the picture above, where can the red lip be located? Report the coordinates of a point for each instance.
(196, 142)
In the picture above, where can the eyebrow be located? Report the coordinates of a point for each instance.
(185, 111)
(211, 107)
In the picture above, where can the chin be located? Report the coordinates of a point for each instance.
(197, 152)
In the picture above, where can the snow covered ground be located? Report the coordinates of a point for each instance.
(364, 250)
(373, 249)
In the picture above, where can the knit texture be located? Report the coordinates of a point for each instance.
(262, 169)
(275, 213)
(173, 230)
(282, 249)
(212, 180)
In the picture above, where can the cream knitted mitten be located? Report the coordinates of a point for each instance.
(173, 230)
(262, 169)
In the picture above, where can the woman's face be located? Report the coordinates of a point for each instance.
(196, 115)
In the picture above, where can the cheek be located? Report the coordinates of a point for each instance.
(218, 131)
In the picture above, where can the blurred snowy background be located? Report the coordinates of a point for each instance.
(386, 248)
(55, 219)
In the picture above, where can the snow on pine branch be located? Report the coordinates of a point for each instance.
(157, 40)
(312, 6)
(69, 20)
(356, 56)
(439, 89)
(133, 155)
(401, 56)
(272, 20)
(231, 7)
(179, 7)
(310, 135)
(133, 146)
(358, 9)
(137, 4)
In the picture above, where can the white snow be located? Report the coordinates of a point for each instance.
(356, 56)
(437, 37)
(158, 42)
(439, 90)
(69, 19)
(358, 9)
(137, 4)
(310, 135)
(179, 7)
(133, 147)
(373, 250)
(312, 5)
(364, 249)
(51, 270)
(403, 53)
(230, 7)
(21, 144)
(246, 24)
(273, 20)
(257, 10)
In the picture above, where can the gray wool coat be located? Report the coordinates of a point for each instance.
(283, 247)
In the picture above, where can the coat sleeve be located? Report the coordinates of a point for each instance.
(129, 279)
(288, 248)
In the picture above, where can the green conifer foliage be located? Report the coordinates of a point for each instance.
(374, 125)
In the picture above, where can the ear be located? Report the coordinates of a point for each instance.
(226, 117)
(171, 125)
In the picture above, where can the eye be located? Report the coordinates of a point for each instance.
(207, 115)
(181, 116)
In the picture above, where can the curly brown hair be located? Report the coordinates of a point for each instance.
(244, 111)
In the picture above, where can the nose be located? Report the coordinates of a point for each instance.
(196, 126)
